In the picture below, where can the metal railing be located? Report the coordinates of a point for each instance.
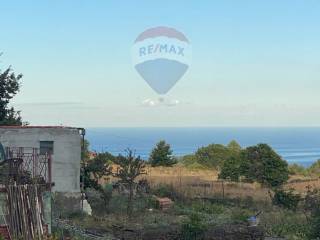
(36, 164)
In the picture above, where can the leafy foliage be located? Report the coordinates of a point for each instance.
(207, 207)
(312, 205)
(99, 199)
(193, 228)
(9, 87)
(234, 146)
(296, 169)
(129, 168)
(212, 156)
(161, 155)
(231, 169)
(95, 169)
(286, 199)
(315, 168)
(256, 163)
(262, 164)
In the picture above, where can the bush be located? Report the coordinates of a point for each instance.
(193, 228)
(96, 202)
(152, 202)
(207, 207)
(106, 194)
(312, 205)
(286, 199)
(240, 215)
(315, 168)
(296, 169)
(286, 224)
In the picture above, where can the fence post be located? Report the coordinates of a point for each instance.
(222, 184)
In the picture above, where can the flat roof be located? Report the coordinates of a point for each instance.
(59, 127)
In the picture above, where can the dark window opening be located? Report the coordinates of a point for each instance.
(46, 147)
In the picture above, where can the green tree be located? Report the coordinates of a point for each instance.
(129, 168)
(231, 169)
(161, 155)
(97, 168)
(262, 164)
(213, 155)
(234, 146)
(9, 87)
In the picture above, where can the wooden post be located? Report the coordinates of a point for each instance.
(222, 184)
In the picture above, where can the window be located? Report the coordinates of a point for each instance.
(46, 147)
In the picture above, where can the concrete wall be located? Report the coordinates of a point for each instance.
(67, 151)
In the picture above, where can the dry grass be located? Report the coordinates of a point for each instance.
(301, 183)
(204, 183)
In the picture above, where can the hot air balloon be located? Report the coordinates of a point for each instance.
(161, 56)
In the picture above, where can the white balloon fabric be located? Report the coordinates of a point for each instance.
(161, 56)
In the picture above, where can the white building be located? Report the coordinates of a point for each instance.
(64, 145)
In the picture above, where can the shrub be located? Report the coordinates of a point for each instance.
(315, 168)
(96, 202)
(129, 169)
(286, 199)
(190, 159)
(286, 224)
(240, 215)
(207, 207)
(152, 202)
(193, 228)
(296, 169)
(106, 194)
(312, 205)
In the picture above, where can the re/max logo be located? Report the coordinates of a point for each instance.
(161, 48)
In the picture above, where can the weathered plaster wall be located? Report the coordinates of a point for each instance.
(65, 159)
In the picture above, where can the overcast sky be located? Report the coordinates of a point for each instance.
(254, 63)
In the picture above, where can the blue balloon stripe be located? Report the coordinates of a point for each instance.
(161, 74)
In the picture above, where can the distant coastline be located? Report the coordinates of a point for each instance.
(299, 145)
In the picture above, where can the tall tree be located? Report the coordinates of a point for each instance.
(262, 164)
(9, 87)
(161, 155)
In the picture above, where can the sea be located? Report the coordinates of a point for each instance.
(295, 145)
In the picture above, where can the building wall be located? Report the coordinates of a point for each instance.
(65, 159)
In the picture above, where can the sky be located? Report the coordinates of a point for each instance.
(254, 63)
